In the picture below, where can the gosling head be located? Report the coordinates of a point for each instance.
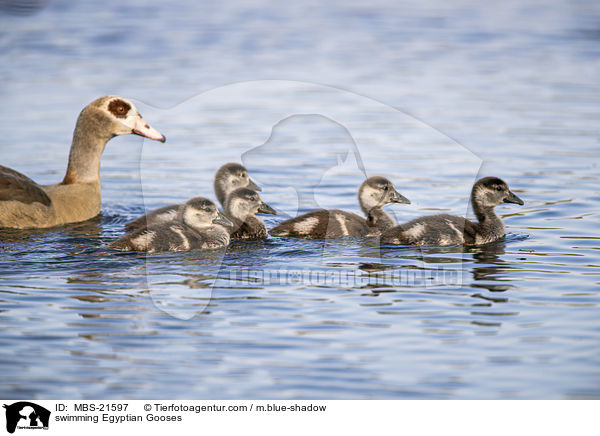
(113, 115)
(491, 191)
(200, 213)
(378, 191)
(244, 202)
(230, 177)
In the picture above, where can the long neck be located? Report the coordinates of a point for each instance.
(89, 139)
(377, 217)
(367, 204)
(220, 190)
(236, 211)
(489, 222)
(242, 219)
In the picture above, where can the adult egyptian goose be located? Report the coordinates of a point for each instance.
(25, 204)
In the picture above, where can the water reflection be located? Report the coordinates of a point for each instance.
(88, 229)
(491, 272)
(519, 321)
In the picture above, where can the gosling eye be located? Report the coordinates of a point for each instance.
(499, 188)
(386, 188)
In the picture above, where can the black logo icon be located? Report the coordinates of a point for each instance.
(26, 415)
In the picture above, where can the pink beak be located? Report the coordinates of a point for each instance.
(142, 128)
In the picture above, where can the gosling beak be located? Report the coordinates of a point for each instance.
(222, 220)
(396, 197)
(142, 128)
(253, 186)
(512, 198)
(265, 208)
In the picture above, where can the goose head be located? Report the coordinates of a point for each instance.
(378, 191)
(244, 202)
(491, 191)
(200, 213)
(115, 116)
(98, 122)
(230, 177)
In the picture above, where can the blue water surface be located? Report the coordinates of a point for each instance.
(311, 97)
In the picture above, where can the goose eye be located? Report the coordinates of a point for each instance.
(119, 108)
(386, 188)
(498, 188)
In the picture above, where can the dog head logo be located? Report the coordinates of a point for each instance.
(26, 415)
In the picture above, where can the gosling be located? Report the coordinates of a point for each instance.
(373, 194)
(442, 230)
(227, 179)
(199, 225)
(241, 208)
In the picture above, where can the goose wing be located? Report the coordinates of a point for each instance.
(18, 187)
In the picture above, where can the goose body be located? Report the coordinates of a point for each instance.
(228, 178)
(323, 224)
(25, 204)
(373, 194)
(199, 225)
(442, 230)
(241, 208)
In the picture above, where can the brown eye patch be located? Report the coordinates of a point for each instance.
(119, 108)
